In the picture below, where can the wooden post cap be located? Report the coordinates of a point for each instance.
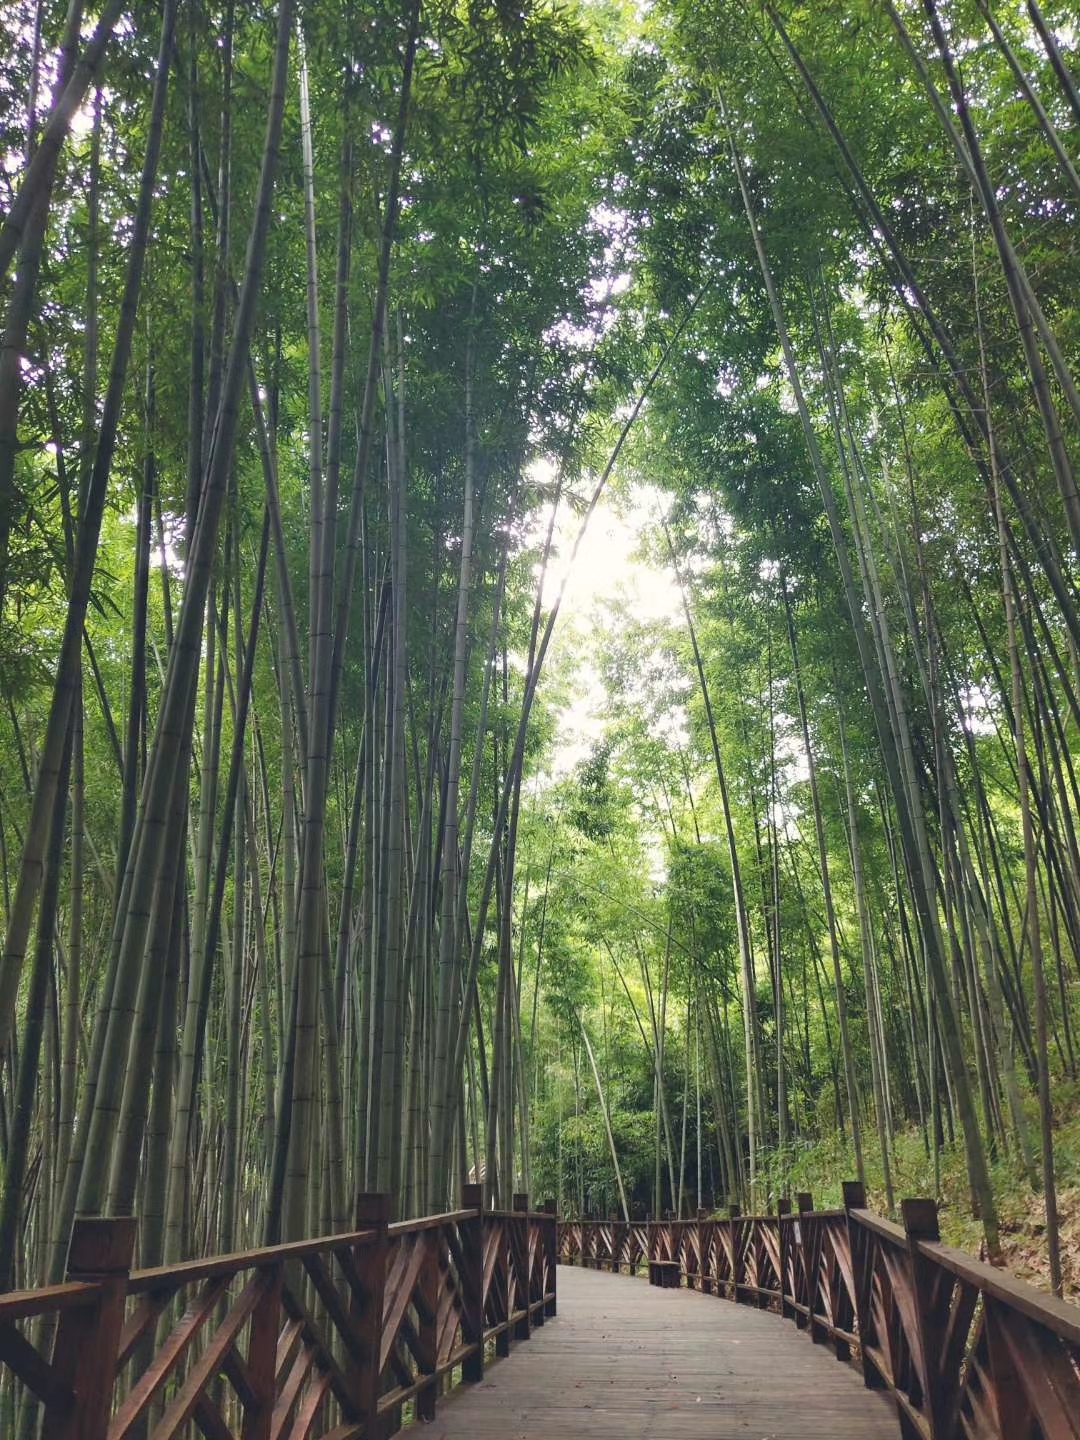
(854, 1195)
(372, 1208)
(920, 1219)
(100, 1246)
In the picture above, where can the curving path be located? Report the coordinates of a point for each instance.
(623, 1359)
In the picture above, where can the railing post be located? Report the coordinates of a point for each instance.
(619, 1230)
(761, 1249)
(519, 1244)
(1005, 1376)
(502, 1225)
(88, 1337)
(427, 1337)
(737, 1271)
(811, 1255)
(551, 1233)
(921, 1223)
(798, 1260)
(262, 1357)
(538, 1265)
(704, 1282)
(722, 1242)
(783, 1227)
(372, 1213)
(472, 1282)
(860, 1245)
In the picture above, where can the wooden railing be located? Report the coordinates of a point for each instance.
(964, 1349)
(331, 1337)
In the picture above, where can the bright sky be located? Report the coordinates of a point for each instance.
(608, 569)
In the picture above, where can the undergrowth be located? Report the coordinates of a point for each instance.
(822, 1168)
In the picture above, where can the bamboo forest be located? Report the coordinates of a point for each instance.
(539, 614)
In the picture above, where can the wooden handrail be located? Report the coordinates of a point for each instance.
(963, 1349)
(188, 1271)
(49, 1300)
(331, 1336)
(1058, 1315)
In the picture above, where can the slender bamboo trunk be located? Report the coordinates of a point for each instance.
(827, 897)
(607, 1122)
(873, 1017)
(176, 713)
(449, 957)
(20, 915)
(751, 1029)
(907, 801)
(1034, 933)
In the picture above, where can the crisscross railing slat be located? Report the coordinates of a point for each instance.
(328, 1337)
(966, 1351)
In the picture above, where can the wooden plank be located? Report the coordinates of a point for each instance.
(290, 1391)
(145, 1314)
(261, 1368)
(1046, 1374)
(290, 1337)
(308, 1413)
(395, 1305)
(165, 1359)
(50, 1300)
(190, 1271)
(209, 1420)
(1057, 1315)
(312, 1340)
(209, 1362)
(335, 1306)
(17, 1353)
(429, 1222)
(624, 1361)
(239, 1377)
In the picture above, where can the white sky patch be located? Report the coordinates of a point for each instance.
(608, 571)
(82, 122)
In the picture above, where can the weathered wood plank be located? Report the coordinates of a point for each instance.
(628, 1360)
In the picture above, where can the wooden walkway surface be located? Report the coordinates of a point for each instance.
(629, 1360)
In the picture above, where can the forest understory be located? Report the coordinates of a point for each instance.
(343, 846)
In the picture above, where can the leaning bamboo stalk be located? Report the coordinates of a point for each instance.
(175, 713)
(37, 177)
(751, 1031)
(1034, 933)
(905, 798)
(827, 897)
(20, 915)
(448, 968)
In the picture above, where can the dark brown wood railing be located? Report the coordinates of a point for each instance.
(338, 1337)
(966, 1351)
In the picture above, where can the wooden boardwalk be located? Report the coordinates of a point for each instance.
(629, 1360)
